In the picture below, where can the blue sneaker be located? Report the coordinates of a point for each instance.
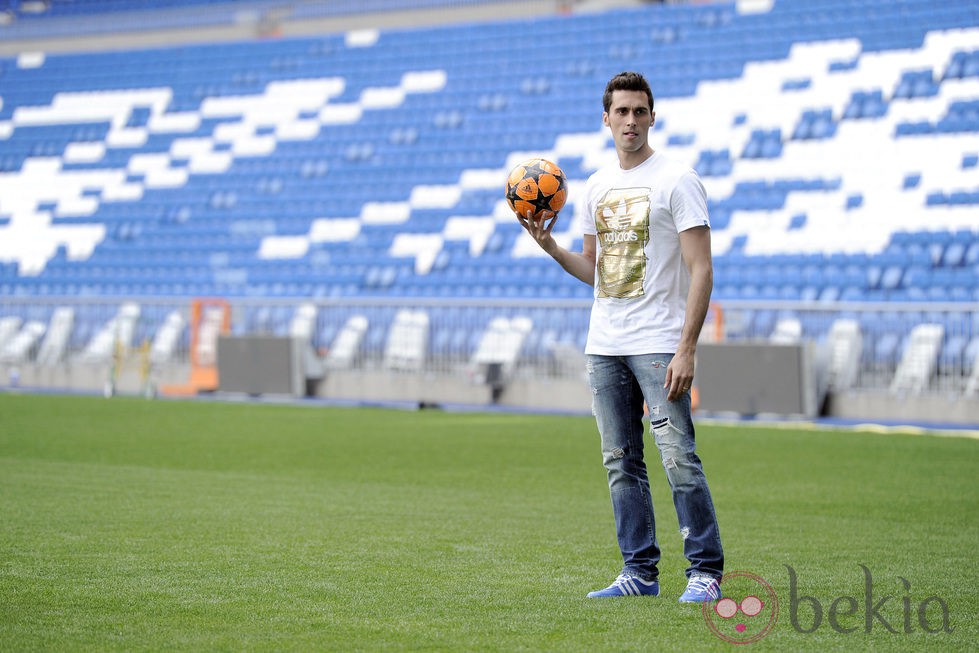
(701, 589)
(628, 585)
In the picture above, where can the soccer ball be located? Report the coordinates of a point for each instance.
(536, 185)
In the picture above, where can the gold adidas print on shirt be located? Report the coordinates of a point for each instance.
(622, 223)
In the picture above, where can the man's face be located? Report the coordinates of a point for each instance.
(629, 119)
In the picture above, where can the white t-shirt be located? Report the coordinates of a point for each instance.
(641, 281)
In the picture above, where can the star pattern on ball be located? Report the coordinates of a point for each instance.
(536, 185)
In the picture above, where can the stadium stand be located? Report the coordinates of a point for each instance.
(167, 337)
(54, 348)
(407, 343)
(114, 338)
(49, 21)
(920, 358)
(838, 142)
(846, 347)
(346, 346)
(19, 348)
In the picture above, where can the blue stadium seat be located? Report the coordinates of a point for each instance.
(292, 183)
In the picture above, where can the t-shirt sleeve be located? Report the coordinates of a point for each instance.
(689, 203)
(584, 223)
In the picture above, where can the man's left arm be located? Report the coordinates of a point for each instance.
(696, 252)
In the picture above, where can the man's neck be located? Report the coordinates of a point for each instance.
(629, 160)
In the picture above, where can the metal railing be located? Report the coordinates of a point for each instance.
(859, 346)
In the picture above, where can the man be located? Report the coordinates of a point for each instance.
(647, 253)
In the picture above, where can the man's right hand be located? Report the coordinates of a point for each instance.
(540, 230)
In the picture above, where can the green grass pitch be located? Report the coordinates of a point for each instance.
(137, 525)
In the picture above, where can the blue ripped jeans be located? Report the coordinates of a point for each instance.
(620, 385)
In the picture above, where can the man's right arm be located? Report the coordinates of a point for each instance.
(580, 265)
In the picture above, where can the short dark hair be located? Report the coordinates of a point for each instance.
(627, 81)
